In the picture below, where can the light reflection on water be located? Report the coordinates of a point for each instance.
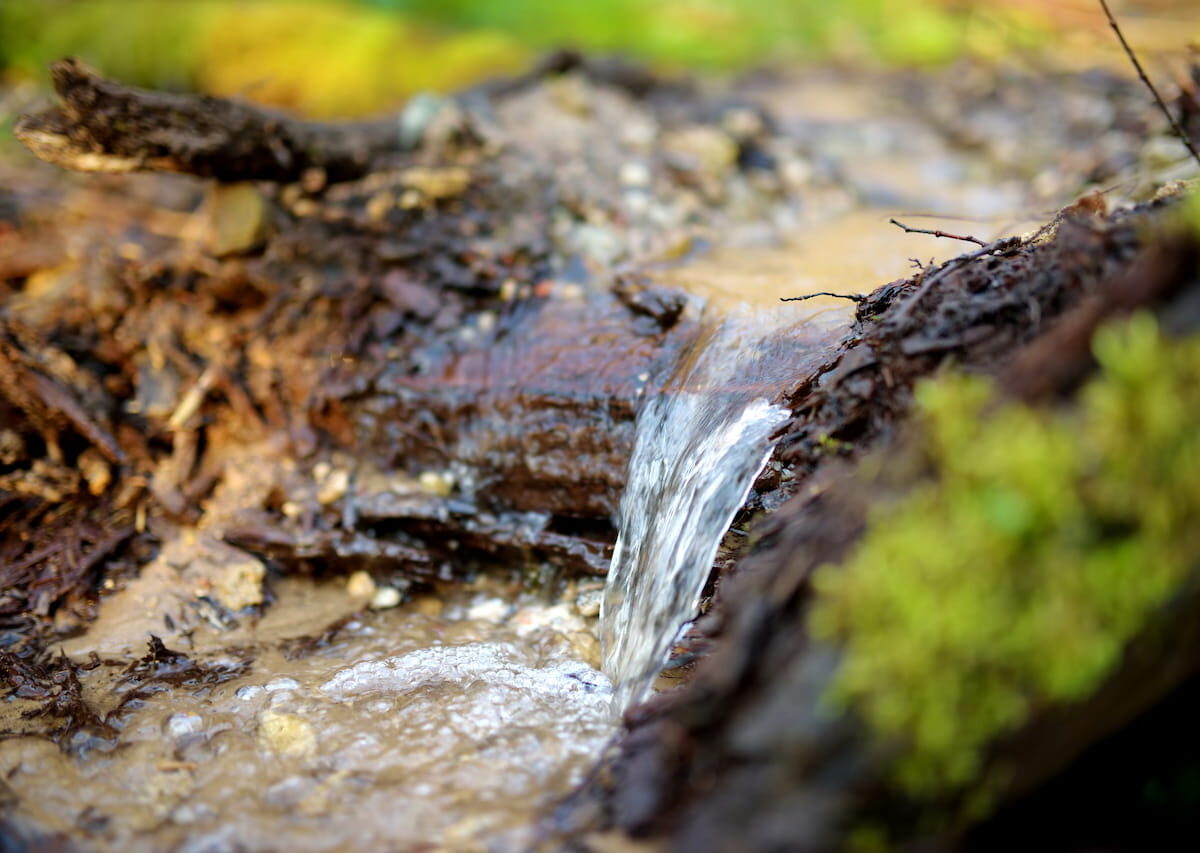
(452, 730)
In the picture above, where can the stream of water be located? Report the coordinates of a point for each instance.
(701, 442)
(451, 722)
(446, 724)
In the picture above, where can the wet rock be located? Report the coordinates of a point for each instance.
(385, 597)
(360, 585)
(237, 219)
(663, 305)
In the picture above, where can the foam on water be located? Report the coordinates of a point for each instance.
(408, 730)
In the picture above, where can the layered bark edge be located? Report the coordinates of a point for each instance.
(104, 126)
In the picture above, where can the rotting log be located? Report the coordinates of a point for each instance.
(103, 126)
(415, 356)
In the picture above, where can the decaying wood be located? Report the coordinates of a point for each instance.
(104, 126)
(45, 400)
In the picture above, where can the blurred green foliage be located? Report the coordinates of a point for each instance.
(1014, 576)
(340, 57)
(152, 40)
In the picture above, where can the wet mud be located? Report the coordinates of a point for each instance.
(452, 720)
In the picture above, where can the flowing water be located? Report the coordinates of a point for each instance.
(701, 442)
(443, 724)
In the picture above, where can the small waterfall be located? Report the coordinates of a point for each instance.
(701, 442)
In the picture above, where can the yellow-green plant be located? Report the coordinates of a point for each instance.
(1014, 576)
(352, 57)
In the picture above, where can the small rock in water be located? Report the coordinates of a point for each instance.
(488, 610)
(286, 734)
(360, 585)
(249, 691)
(588, 603)
(385, 597)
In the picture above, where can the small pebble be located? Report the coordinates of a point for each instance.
(360, 585)
(440, 483)
(588, 602)
(286, 734)
(385, 597)
(635, 174)
(428, 605)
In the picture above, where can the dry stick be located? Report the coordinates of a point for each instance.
(935, 233)
(1162, 105)
(853, 297)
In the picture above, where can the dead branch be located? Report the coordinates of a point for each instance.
(104, 126)
(935, 233)
(1162, 105)
(853, 297)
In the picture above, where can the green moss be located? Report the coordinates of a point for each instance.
(1015, 576)
(1190, 211)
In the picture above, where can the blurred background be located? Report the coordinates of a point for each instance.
(329, 58)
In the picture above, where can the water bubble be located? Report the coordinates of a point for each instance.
(183, 723)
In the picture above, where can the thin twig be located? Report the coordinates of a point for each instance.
(966, 238)
(853, 297)
(928, 276)
(1162, 105)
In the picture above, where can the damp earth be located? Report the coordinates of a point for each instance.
(453, 719)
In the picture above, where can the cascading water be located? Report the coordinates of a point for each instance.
(701, 442)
